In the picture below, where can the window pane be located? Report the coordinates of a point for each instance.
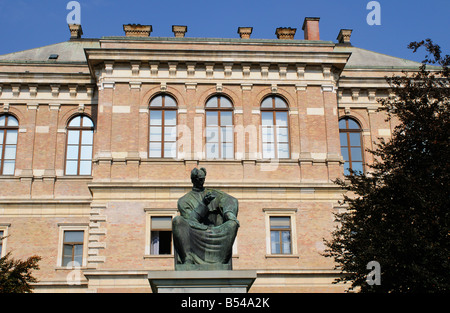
(268, 151)
(212, 134)
(225, 103)
(170, 133)
(1, 151)
(343, 139)
(227, 151)
(275, 242)
(12, 121)
(161, 222)
(72, 152)
(2, 120)
(283, 151)
(87, 122)
(286, 240)
(2, 132)
(212, 119)
(356, 154)
(67, 255)
(280, 103)
(71, 167)
(155, 133)
(344, 152)
(346, 168)
(352, 124)
(170, 118)
(212, 150)
(156, 102)
(169, 102)
(73, 236)
(267, 103)
(87, 137)
(155, 150)
(86, 152)
(212, 103)
(282, 135)
(85, 167)
(76, 122)
(266, 118)
(155, 118)
(73, 137)
(11, 137)
(268, 134)
(10, 152)
(277, 222)
(357, 166)
(281, 118)
(226, 118)
(227, 134)
(8, 167)
(78, 255)
(170, 149)
(355, 139)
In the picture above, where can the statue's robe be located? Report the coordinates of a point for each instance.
(204, 234)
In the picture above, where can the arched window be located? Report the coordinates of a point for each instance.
(275, 128)
(219, 128)
(163, 127)
(80, 142)
(9, 129)
(351, 145)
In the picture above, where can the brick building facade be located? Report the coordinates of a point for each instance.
(99, 137)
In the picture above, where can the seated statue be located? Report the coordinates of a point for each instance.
(204, 232)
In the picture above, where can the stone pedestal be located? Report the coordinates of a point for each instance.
(201, 281)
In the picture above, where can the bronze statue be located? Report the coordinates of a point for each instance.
(205, 231)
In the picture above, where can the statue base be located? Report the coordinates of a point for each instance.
(201, 281)
(203, 267)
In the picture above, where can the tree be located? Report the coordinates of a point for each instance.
(398, 213)
(16, 275)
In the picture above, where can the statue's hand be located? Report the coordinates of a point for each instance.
(208, 198)
(229, 216)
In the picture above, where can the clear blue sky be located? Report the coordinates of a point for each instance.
(26, 24)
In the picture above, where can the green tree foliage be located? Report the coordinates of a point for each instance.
(16, 275)
(398, 214)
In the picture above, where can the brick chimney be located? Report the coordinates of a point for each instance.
(311, 28)
(344, 36)
(245, 32)
(137, 30)
(75, 31)
(179, 31)
(285, 33)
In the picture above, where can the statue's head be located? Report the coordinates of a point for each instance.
(198, 177)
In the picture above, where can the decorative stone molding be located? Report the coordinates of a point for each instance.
(81, 108)
(163, 86)
(90, 91)
(286, 33)
(326, 70)
(96, 232)
(301, 70)
(173, 69)
(228, 69)
(109, 67)
(282, 70)
(265, 70)
(246, 87)
(154, 67)
(54, 106)
(1, 89)
(372, 94)
(76, 31)
(73, 90)
(191, 69)
(137, 30)
(274, 88)
(135, 85)
(246, 69)
(15, 89)
(55, 90)
(190, 86)
(219, 87)
(209, 69)
(344, 36)
(355, 94)
(135, 68)
(33, 90)
(179, 31)
(245, 32)
(5, 107)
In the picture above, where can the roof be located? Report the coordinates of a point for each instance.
(68, 52)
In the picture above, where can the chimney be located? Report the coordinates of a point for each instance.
(245, 32)
(285, 33)
(311, 28)
(137, 30)
(75, 31)
(179, 31)
(344, 36)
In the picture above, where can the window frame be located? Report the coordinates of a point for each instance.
(347, 131)
(72, 227)
(149, 213)
(81, 129)
(163, 108)
(219, 109)
(3, 242)
(274, 110)
(5, 128)
(281, 212)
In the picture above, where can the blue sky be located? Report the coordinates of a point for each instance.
(27, 24)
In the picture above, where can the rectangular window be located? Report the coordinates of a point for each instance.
(280, 234)
(73, 248)
(1, 243)
(161, 235)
